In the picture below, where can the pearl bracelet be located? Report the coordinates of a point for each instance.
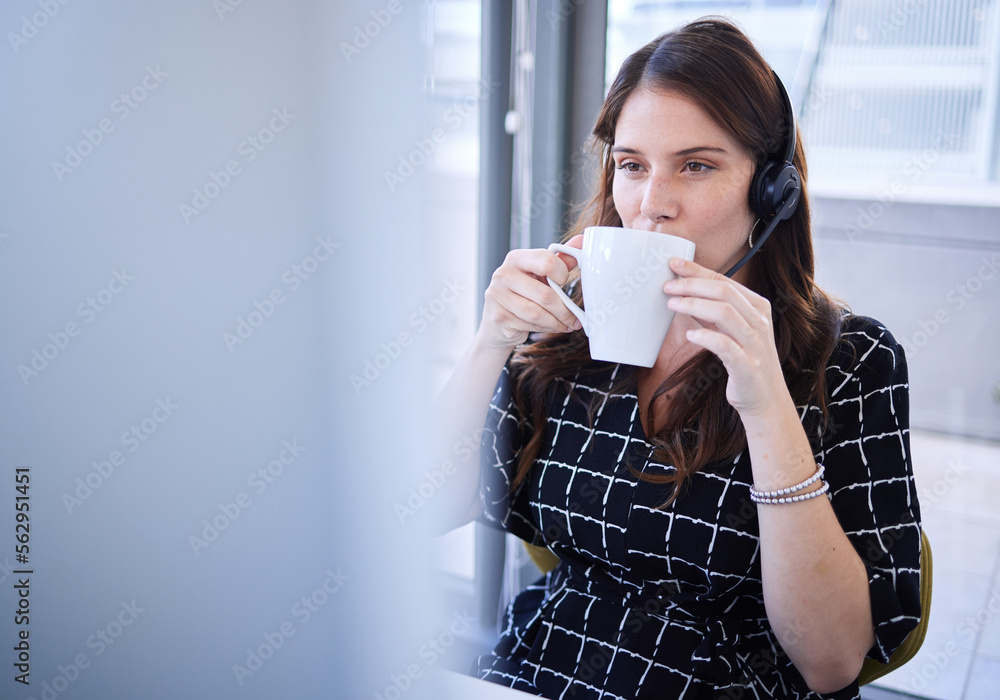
(755, 494)
(790, 499)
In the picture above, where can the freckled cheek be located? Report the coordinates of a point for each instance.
(716, 233)
(626, 203)
(724, 215)
(709, 219)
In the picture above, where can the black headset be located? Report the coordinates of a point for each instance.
(776, 186)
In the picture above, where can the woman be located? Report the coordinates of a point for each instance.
(739, 520)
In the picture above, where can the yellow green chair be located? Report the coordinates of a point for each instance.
(873, 669)
(546, 560)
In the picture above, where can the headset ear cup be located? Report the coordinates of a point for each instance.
(758, 191)
(784, 186)
(774, 184)
(788, 189)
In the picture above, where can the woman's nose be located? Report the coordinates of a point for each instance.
(659, 201)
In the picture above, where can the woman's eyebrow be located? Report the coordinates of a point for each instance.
(686, 152)
(701, 149)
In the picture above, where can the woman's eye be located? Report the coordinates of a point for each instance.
(696, 167)
(630, 167)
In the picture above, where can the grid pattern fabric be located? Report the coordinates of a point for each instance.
(667, 602)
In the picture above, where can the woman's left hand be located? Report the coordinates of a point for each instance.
(736, 326)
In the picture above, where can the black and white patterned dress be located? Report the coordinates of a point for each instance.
(667, 603)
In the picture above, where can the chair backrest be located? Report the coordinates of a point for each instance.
(873, 669)
(546, 560)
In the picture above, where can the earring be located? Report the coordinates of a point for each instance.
(750, 237)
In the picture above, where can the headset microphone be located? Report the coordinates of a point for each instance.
(776, 187)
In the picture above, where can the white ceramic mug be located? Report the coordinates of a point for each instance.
(622, 272)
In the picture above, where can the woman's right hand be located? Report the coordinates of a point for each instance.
(519, 300)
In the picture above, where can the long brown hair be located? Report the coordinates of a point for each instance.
(713, 63)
